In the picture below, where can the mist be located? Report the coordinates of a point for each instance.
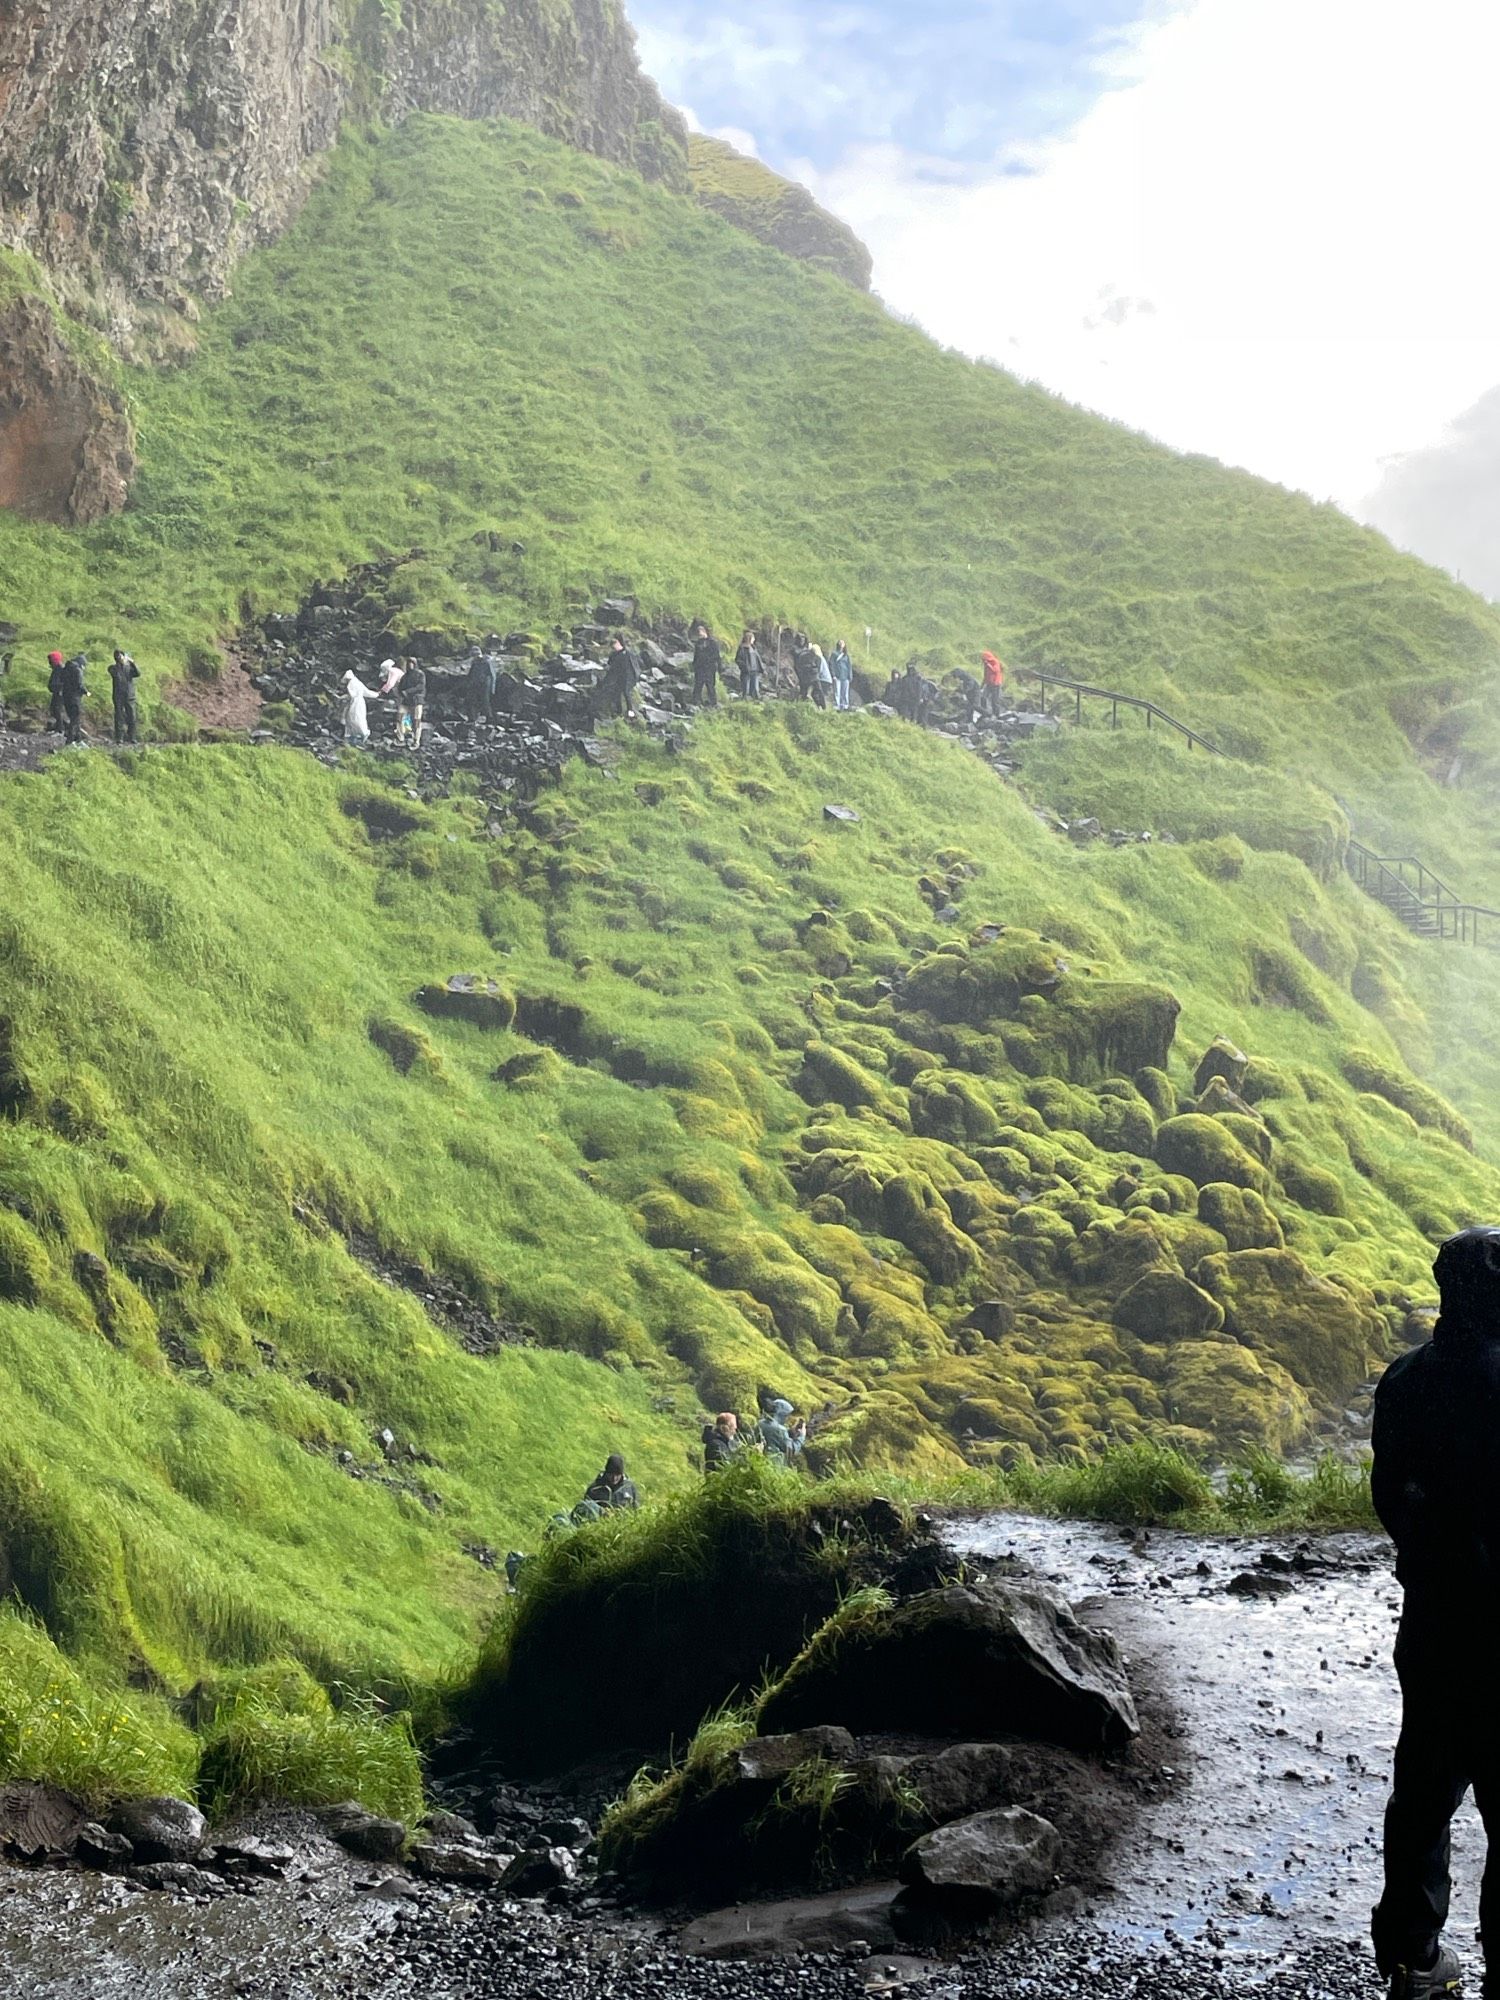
(1443, 503)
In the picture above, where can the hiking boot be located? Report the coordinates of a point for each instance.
(1444, 1976)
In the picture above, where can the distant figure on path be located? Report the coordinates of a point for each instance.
(1436, 1486)
(772, 1433)
(74, 692)
(708, 662)
(356, 716)
(804, 665)
(480, 685)
(994, 684)
(612, 1488)
(617, 685)
(721, 1441)
(822, 681)
(751, 666)
(123, 675)
(54, 691)
(842, 668)
(410, 720)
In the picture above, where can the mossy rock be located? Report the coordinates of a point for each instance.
(1165, 1307)
(1204, 1150)
(1234, 1398)
(1110, 1257)
(1091, 1030)
(407, 1048)
(531, 1069)
(1264, 1080)
(1251, 1132)
(1367, 1072)
(916, 1215)
(1221, 1060)
(828, 1076)
(945, 1105)
(1218, 1099)
(25, 1267)
(483, 1003)
(1240, 1216)
(1311, 1187)
(1327, 1341)
(1158, 1090)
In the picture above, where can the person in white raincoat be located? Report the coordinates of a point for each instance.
(356, 718)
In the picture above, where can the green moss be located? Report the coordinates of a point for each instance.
(1330, 1337)
(1163, 1306)
(1205, 1151)
(1367, 1072)
(1240, 1215)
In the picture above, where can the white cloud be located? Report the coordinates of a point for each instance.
(1271, 241)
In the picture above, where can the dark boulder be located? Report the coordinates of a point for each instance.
(965, 1779)
(980, 1660)
(469, 1866)
(1221, 1059)
(38, 1820)
(363, 1833)
(766, 1760)
(540, 1870)
(159, 1829)
(991, 1862)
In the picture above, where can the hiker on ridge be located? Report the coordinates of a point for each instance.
(479, 685)
(54, 691)
(721, 1441)
(842, 669)
(994, 684)
(822, 677)
(612, 1489)
(708, 662)
(123, 675)
(356, 715)
(73, 693)
(804, 665)
(1436, 1487)
(751, 667)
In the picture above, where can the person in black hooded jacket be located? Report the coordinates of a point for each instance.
(1436, 1485)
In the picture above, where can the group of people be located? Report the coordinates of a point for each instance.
(407, 680)
(820, 677)
(779, 1435)
(67, 691)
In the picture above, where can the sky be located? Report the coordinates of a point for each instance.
(1260, 229)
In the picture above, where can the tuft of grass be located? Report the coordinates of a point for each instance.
(261, 1751)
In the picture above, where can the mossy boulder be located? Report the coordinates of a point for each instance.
(1163, 1306)
(531, 1069)
(1224, 1061)
(1237, 1399)
(1240, 1216)
(469, 996)
(1111, 1256)
(1366, 1071)
(946, 1105)
(1311, 1187)
(828, 1076)
(1327, 1338)
(1205, 1151)
(916, 1215)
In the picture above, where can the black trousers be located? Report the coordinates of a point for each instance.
(73, 711)
(1450, 1742)
(125, 722)
(706, 689)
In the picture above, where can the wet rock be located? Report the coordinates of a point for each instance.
(453, 1861)
(160, 1830)
(969, 1661)
(1259, 1583)
(451, 1826)
(575, 1834)
(251, 1855)
(842, 815)
(766, 1760)
(38, 1820)
(179, 1876)
(362, 1832)
(992, 1319)
(616, 611)
(849, 1918)
(99, 1848)
(965, 1779)
(540, 1870)
(988, 1863)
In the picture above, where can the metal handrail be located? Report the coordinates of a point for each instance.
(1081, 690)
(1445, 908)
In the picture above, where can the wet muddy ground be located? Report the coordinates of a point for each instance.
(1254, 1873)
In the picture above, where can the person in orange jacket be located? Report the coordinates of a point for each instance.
(994, 683)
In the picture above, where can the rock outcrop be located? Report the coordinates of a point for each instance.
(67, 453)
(145, 145)
(779, 212)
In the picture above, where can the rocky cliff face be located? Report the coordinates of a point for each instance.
(66, 450)
(145, 144)
(747, 193)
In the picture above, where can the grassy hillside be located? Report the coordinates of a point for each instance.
(759, 1118)
(476, 330)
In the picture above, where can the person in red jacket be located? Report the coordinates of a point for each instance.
(994, 683)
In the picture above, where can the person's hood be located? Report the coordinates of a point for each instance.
(781, 1409)
(54, 659)
(990, 659)
(1468, 1277)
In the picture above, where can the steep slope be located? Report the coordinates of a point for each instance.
(744, 1112)
(474, 332)
(749, 194)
